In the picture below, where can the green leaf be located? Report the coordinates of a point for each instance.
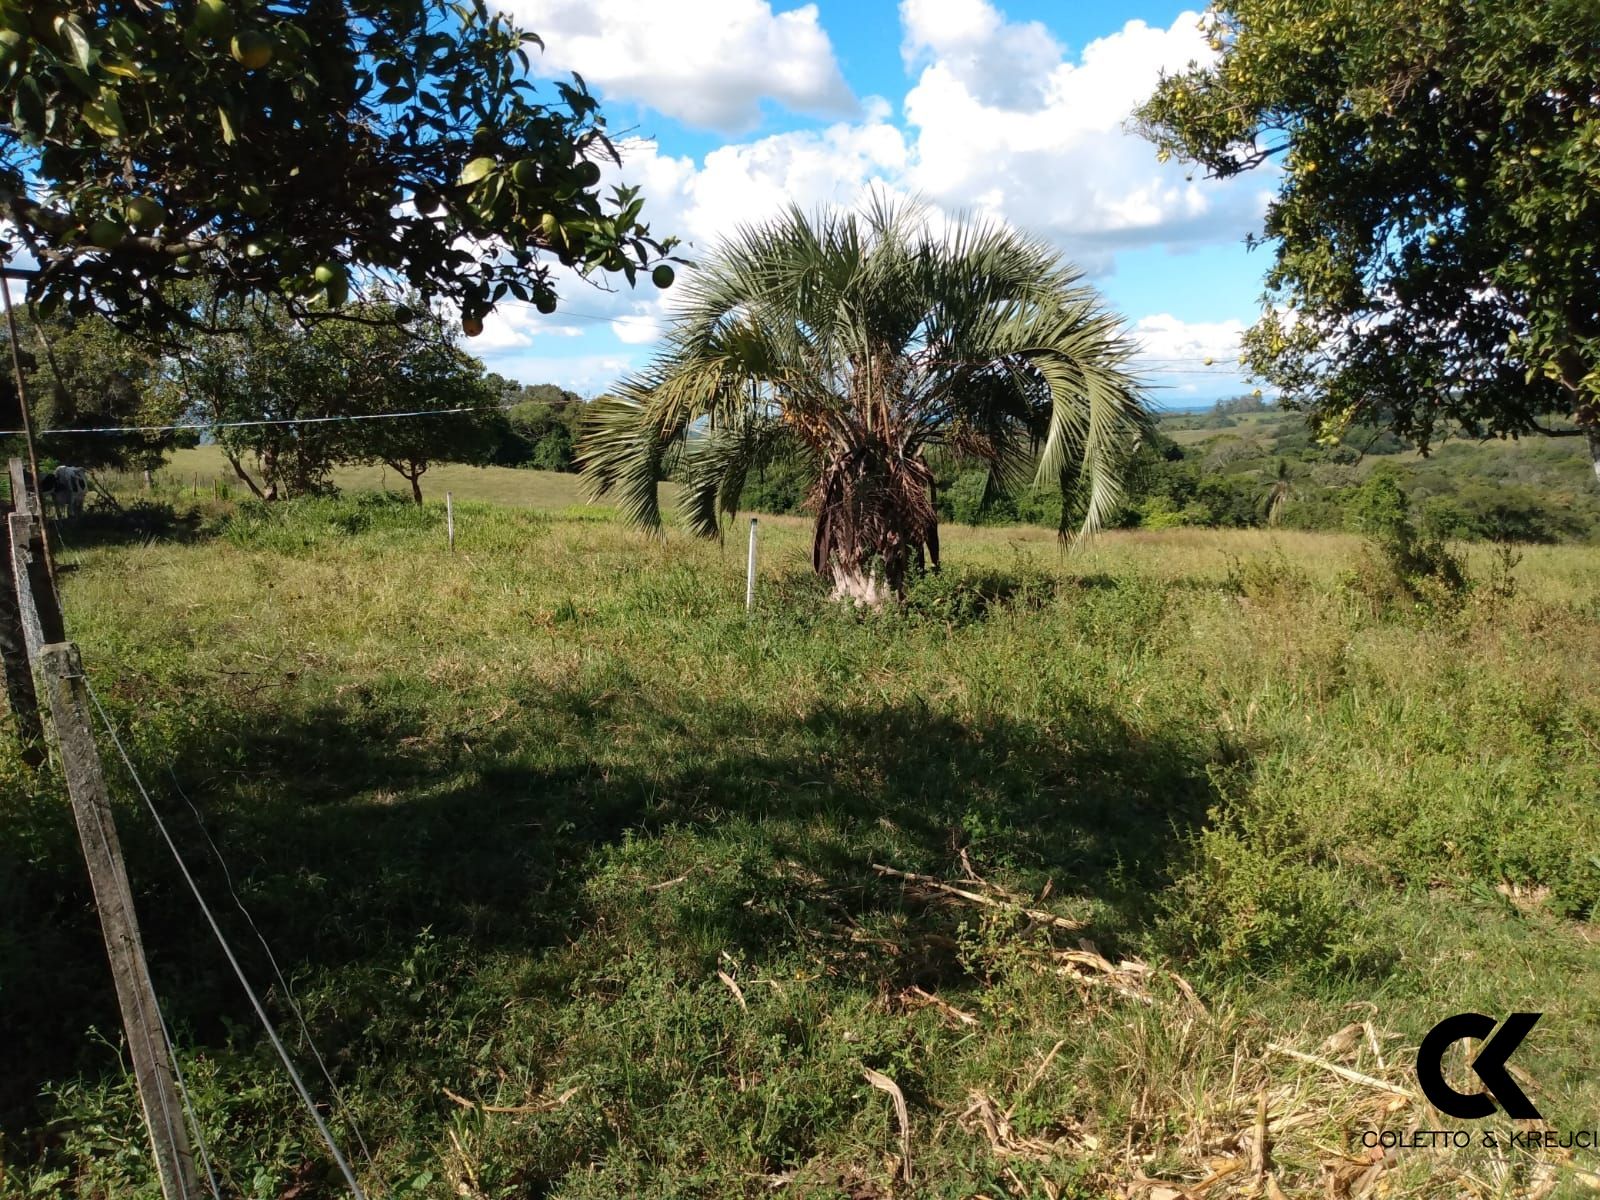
(72, 32)
(124, 70)
(104, 115)
(28, 108)
(477, 169)
(228, 134)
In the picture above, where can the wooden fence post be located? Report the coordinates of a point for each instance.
(62, 670)
(14, 661)
(36, 598)
(22, 499)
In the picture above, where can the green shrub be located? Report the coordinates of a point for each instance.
(1400, 563)
(1242, 907)
(956, 597)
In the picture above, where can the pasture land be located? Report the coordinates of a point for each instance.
(572, 867)
(199, 471)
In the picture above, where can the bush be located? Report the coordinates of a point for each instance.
(1401, 564)
(962, 596)
(1240, 906)
(780, 488)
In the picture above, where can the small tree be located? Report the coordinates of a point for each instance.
(263, 387)
(300, 400)
(858, 344)
(1279, 493)
(390, 372)
(83, 373)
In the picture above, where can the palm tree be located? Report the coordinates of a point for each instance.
(861, 342)
(1280, 493)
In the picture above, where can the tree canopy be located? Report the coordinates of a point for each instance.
(861, 342)
(1437, 222)
(287, 149)
(290, 402)
(83, 373)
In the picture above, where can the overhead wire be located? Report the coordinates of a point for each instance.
(1136, 368)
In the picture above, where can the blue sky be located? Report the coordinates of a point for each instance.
(729, 109)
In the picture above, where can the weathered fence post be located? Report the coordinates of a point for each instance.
(21, 494)
(62, 670)
(450, 521)
(14, 661)
(36, 598)
(750, 571)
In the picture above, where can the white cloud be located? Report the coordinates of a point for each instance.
(709, 64)
(1164, 338)
(1003, 63)
(513, 325)
(1000, 120)
(637, 329)
(1041, 139)
(749, 182)
(1172, 356)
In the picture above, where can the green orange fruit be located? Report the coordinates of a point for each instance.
(213, 18)
(663, 276)
(106, 233)
(253, 50)
(144, 213)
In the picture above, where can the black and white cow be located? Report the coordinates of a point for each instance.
(66, 488)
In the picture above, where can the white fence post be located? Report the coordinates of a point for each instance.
(750, 572)
(450, 521)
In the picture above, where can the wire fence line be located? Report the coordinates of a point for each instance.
(208, 426)
(227, 949)
(188, 1106)
(203, 426)
(283, 983)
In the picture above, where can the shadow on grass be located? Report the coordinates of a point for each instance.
(135, 523)
(354, 827)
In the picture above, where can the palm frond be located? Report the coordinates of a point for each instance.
(622, 452)
(717, 465)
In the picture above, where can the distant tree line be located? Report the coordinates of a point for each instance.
(539, 426)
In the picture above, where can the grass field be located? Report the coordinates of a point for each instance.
(574, 868)
(203, 468)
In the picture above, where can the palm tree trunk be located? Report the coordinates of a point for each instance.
(874, 520)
